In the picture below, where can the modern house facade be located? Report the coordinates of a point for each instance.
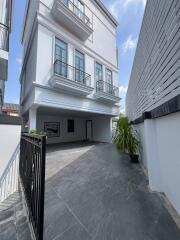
(69, 79)
(5, 29)
(153, 97)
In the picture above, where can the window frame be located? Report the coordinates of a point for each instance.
(70, 127)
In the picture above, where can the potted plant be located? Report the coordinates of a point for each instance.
(127, 139)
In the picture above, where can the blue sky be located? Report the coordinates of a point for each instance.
(129, 14)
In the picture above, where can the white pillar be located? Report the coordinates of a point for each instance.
(153, 161)
(32, 118)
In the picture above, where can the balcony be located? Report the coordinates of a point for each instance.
(106, 92)
(72, 18)
(70, 79)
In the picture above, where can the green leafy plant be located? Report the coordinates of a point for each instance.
(33, 131)
(126, 138)
(36, 132)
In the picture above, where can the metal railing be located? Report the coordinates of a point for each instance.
(4, 37)
(78, 12)
(9, 178)
(32, 178)
(72, 73)
(105, 87)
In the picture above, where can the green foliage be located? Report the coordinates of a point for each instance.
(126, 138)
(36, 132)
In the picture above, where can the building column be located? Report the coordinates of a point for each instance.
(32, 118)
(153, 162)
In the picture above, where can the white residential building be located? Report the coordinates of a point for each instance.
(5, 28)
(69, 79)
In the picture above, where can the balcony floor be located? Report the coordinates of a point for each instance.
(94, 192)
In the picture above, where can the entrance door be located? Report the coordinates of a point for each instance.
(89, 130)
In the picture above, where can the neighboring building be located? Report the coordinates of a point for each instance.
(153, 97)
(5, 29)
(69, 79)
(11, 109)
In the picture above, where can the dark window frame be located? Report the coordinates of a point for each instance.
(71, 128)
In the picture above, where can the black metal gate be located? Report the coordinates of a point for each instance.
(32, 177)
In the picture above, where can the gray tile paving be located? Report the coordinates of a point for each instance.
(94, 192)
(13, 221)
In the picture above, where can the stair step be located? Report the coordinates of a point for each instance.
(10, 201)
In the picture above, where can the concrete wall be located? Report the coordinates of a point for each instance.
(161, 154)
(9, 139)
(101, 128)
(78, 135)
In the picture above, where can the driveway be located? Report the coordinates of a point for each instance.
(93, 192)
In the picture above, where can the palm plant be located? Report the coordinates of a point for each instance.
(126, 138)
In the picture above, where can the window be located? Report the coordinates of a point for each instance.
(109, 82)
(79, 9)
(61, 58)
(98, 72)
(109, 76)
(70, 126)
(79, 64)
(99, 77)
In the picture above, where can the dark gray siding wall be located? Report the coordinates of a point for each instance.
(155, 76)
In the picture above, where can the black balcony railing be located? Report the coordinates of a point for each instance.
(4, 37)
(105, 87)
(32, 177)
(72, 73)
(77, 11)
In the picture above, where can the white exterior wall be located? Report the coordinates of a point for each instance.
(78, 135)
(161, 152)
(101, 128)
(41, 31)
(103, 55)
(29, 75)
(10, 138)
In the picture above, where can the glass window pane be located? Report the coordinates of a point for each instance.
(61, 56)
(79, 66)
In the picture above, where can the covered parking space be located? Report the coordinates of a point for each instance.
(64, 125)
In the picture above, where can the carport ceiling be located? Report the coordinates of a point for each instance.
(66, 112)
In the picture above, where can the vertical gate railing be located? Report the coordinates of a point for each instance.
(32, 178)
(9, 178)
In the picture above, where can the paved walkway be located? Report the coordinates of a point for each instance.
(93, 192)
(13, 221)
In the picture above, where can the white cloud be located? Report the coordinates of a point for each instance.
(122, 93)
(129, 44)
(136, 2)
(117, 7)
(19, 61)
(123, 89)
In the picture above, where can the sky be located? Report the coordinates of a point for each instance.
(129, 14)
